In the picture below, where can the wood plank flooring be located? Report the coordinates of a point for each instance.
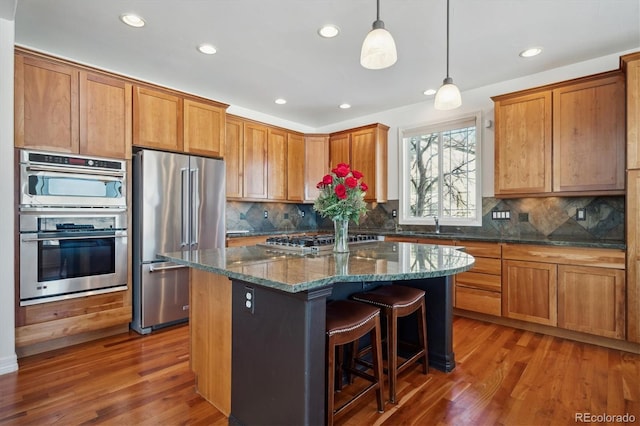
(503, 376)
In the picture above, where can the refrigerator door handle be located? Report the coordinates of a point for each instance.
(195, 206)
(184, 221)
(165, 268)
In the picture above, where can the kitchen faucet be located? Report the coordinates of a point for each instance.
(435, 218)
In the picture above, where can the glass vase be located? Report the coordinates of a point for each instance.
(341, 243)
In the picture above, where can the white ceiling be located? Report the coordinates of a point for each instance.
(270, 48)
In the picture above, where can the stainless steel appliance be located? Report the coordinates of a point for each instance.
(178, 205)
(73, 226)
(49, 180)
(312, 243)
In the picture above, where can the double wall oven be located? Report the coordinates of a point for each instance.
(72, 226)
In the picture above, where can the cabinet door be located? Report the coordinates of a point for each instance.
(277, 164)
(363, 159)
(591, 300)
(255, 161)
(339, 149)
(633, 255)
(529, 291)
(46, 105)
(157, 119)
(633, 113)
(316, 164)
(204, 128)
(295, 167)
(589, 136)
(105, 116)
(523, 144)
(233, 157)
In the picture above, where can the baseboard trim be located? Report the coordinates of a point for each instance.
(8, 364)
(606, 342)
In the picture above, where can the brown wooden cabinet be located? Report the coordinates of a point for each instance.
(592, 300)
(566, 138)
(157, 119)
(276, 164)
(480, 288)
(316, 164)
(295, 167)
(234, 152)
(589, 135)
(60, 107)
(204, 128)
(523, 144)
(255, 160)
(529, 291)
(631, 65)
(365, 149)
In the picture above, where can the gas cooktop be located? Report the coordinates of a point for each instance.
(311, 243)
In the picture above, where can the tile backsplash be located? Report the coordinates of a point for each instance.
(551, 217)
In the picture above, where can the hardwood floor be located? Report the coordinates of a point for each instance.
(503, 376)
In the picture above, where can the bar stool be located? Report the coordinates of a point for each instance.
(396, 301)
(347, 322)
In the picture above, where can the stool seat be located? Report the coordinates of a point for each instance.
(391, 296)
(346, 322)
(397, 301)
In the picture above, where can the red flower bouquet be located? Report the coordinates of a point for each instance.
(342, 194)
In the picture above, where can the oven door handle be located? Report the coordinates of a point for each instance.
(88, 237)
(75, 170)
(166, 268)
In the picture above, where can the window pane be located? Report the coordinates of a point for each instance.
(440, 176)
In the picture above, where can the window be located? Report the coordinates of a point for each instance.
(440, 173)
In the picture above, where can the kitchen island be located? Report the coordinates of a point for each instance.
(273, 302)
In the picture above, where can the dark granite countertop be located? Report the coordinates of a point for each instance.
(461, 236)
(294, 272)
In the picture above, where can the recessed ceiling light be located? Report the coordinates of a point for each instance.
(132, 20)
(281, 101)
(345, 106)
(429, 92)
(207, 49)
(328, 31)
(533, 51)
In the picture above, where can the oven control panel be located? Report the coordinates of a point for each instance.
(66, 160)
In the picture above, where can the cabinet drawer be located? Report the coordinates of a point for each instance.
(483, 301)
(487, 266)
(481, 249)
(478, 280)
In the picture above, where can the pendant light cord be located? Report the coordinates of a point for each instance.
(378, 10)
(447, 38)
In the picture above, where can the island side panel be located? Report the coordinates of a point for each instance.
(210, 329)
(278, 353)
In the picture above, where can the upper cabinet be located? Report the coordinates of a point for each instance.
(564, 139)
(157, 119)
(365, 149)
(316, 164)
(60, 107)
(295, 167)
(168, 121)
(204, 128)
(234, 151)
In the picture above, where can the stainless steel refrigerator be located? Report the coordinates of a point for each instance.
(178, 205)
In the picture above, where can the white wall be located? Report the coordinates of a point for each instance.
(8, 359)
(472, 101)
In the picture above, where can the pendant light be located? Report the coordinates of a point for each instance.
(378, 49)
(448, 95)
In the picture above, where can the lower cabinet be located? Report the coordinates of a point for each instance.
(592, 300)
(480, 288)
(530, 291)
(551, 286)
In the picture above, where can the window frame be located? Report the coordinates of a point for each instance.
(404, 217)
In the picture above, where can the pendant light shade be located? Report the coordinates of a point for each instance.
(448, 95)
(378, 49)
